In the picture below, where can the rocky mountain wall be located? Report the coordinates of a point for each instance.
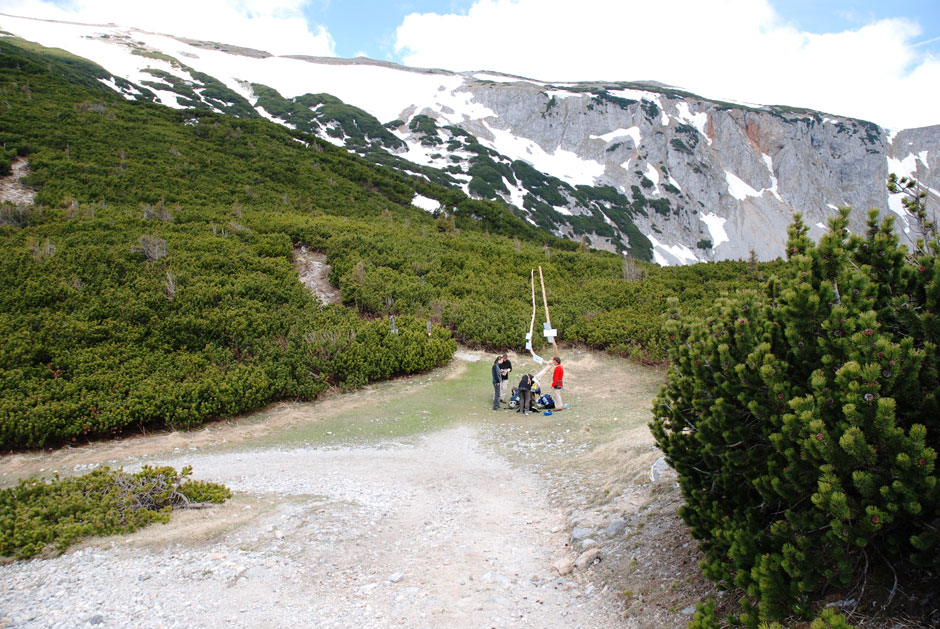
(749, 169)
(639, 168)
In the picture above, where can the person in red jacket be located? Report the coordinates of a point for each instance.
(557, 377)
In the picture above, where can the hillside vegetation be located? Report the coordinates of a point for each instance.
(152, 283)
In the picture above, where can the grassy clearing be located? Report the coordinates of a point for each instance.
(608, 398)
(604, 428)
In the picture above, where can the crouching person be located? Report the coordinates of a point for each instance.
(525, 394)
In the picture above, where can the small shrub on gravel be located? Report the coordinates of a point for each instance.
(40, 515)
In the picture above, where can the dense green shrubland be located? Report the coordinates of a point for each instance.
(38, 516)
(803, 423)
(114, 321)
(152, 283)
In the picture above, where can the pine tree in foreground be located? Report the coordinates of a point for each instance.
(803, 422)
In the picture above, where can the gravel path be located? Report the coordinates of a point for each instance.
(436, 532)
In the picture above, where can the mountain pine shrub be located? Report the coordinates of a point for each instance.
(38, 516)
(803, 422)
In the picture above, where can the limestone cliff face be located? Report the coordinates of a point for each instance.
(733, 176)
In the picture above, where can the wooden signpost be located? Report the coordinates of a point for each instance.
(549, 332)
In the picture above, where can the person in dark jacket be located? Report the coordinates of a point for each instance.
(505, 366)
(525, 394)
(497, 382)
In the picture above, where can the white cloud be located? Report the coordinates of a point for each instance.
(734, 49)
(277, 26)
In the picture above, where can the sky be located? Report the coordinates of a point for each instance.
(870, 59)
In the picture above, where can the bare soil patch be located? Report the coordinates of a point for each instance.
(11, 190)
(314, 273)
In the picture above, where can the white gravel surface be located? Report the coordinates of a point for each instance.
(436, 532)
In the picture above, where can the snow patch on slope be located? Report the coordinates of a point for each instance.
(680, 254)
(773, 178)
(565, 165)
(418, 153)
(336, 141)
(427, 204)
(638, 95)
(741, 190)
(738, 188)
(698, 120)
(500, 78)
(902, 168)
(563, 94)
(110, 83)
(653, 175)
(716, 228)
(632, 132)
(516, 194)
(449, 102)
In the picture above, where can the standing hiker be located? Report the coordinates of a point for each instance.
(497, 382)
(505, 367)
(557, 377)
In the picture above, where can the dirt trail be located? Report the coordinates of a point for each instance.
(314, 273)
(390, 507)
(11, 190)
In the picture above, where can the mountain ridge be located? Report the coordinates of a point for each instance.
(627, 166)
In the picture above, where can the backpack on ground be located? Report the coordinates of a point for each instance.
(514, 398)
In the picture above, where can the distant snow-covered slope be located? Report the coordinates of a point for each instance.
(641, 168)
